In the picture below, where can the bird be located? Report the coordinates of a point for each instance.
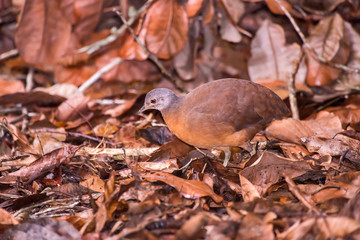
(219, 114)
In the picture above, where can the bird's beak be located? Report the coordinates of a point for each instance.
(142, 109)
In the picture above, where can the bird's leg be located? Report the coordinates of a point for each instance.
(227, 153)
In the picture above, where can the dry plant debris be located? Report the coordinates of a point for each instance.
(77, 161)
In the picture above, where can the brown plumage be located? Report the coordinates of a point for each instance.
(218, 114)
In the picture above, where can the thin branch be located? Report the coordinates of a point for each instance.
(74, 134)
(9, 54)
(114, 62)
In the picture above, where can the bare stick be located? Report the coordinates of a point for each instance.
(114, 62)
(74, 134)
(9, 54)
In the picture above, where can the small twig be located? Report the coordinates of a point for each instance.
(30, 79)
(153, 57)
(114, 62)
(292, 90)
(9, 54)
(74, 134)
(297, 193)
(90, 49)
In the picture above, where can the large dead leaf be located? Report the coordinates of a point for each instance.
(184, 61)
(271, 59)
(330, 40)
(188, 188)
(326, 125)
(46, 163)
(350, 79)
(43, 32)
(269, 169)
(83, 14)
(167, 27)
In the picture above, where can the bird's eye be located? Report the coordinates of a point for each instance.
(153, 100)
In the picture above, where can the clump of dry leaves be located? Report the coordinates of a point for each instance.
(79, 162)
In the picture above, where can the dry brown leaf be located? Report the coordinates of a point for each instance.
(256, 226)
(351, 78)
(43, 33)
(270, 168)
(184, 61)
(167, 166)
(249, 191)
(167, 27)
(193, 7)
(84, 16)
(208, 13)
(234, 8)
(275, 8)
(272, 60)
(320, 7)
(292, 130)
(345, 185)
(188, 188)
(10, 86)
(6, 220)
(329, 227)
(330, 40)
(72, 109)
(46, 163)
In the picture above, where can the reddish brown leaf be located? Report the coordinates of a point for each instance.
(331, 41)
(43, 32)
(192, 7)
(276, 9)
(167, 27)
(270, 168)
(292, 130)
(271, 59)
(46, 163)
(188, 188)
(83, 14)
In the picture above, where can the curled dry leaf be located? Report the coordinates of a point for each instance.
(167, 27)
(188, 188)
(331, 41)
(43, 32)
(46, 163)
